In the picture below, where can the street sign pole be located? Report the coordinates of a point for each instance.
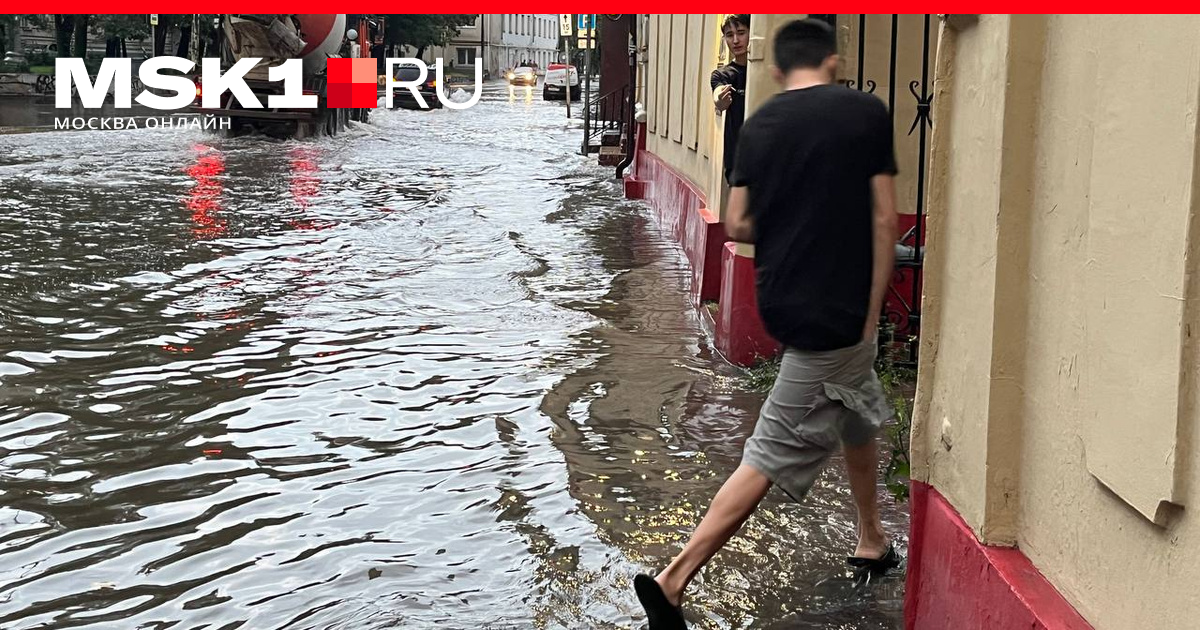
(567, 70)
(587, 84)
(565, 31)
(153, 28)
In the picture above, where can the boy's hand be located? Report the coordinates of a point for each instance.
(723, 97)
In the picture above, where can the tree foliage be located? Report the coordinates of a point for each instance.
(122, 26)
(424, 30)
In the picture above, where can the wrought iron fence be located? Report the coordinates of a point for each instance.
(902, 309)
(608, 113)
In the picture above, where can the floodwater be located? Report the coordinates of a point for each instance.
(432, 373)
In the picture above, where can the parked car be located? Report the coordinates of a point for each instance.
(555, 85)
(403, 97)
(523, 75)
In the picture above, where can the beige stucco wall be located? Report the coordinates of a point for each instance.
(1057, 396)
(682, 129)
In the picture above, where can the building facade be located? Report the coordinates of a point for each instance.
(503, 41)
(1057, 399)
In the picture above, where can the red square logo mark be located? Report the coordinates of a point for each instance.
(351, 82)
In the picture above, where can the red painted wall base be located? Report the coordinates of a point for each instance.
(741, 337)
(954, 582)
(634, 188)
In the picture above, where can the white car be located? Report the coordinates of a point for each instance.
(555, 85)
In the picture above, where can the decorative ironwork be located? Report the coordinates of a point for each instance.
(607, 113)
(870, 86)
(902, 310)
(924, 107)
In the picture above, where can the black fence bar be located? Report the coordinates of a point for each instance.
(924, 104)
(862, 48)
(892, 70)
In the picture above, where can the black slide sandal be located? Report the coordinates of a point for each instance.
(660, 612)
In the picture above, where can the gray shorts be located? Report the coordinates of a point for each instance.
(819, 399)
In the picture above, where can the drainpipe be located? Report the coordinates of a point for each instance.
(630, 135)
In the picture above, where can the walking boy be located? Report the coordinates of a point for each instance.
(813, 190)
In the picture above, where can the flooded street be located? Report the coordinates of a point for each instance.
(434, 372)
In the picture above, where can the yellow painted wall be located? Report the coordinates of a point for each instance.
(682, 50)
(1057, 396)
(682, 130)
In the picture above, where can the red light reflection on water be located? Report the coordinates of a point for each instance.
(204, 199)
(304, 184)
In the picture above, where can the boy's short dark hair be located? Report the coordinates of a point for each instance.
(740, 19)
(804, 44)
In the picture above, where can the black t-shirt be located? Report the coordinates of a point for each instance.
(807, 158)
(379, 52)
(734, 75)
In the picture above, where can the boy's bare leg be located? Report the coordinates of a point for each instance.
(862, 467)
(735, 501)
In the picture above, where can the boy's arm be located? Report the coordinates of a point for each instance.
(884, 226)
(722, 91)
(738, 224)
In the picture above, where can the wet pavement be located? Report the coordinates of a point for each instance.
(432, 373)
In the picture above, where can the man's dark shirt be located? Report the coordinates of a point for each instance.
(807, 158)
(734, 75)
(379, 52)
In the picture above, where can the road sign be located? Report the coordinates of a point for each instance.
(586, 20)
(564, 24)
(153, 19)
(584, 43)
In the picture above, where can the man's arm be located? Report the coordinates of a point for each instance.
(738, 224)
(883, 193)
(722, 90)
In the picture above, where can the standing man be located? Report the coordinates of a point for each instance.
(813, 190)
(729, 84)
(379, 52)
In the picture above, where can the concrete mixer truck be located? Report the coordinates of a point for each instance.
(275, 39)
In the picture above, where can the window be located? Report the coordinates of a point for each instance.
(466, 56)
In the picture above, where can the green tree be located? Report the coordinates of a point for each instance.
(64, 28)
(116, 29)
(423, 31)
(81, 35)
(70, 34)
